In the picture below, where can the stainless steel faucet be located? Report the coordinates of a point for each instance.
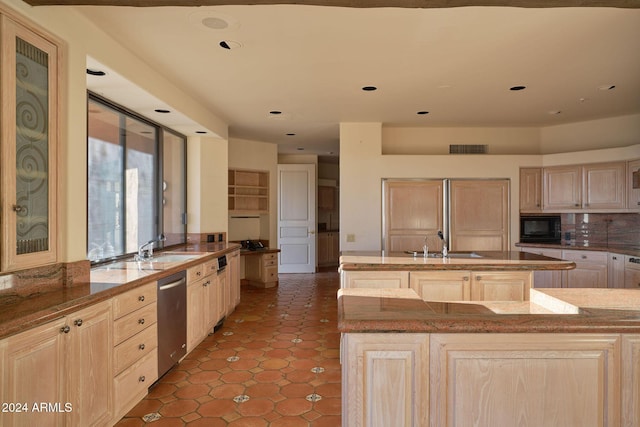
(145, 251)
(445, 249)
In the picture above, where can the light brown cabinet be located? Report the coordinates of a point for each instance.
(205, 299)
(233, 279)
(326, 198)
(500, 285)
(29, 124)
(633, 185)
(441, 285)
(374, 279)
(135, 346)
(328, 248)
(248, 191)
(590, 187)
(530, 189)
(261, 269)
(591, 269)
(615, 270)
(68, 363)
(542, 278)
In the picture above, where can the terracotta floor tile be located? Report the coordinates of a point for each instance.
(273, 374)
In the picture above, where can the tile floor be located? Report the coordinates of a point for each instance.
(274, 363)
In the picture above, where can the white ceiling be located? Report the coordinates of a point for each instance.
(310, 63)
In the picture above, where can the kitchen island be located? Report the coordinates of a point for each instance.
(567, 357)
(462, 276)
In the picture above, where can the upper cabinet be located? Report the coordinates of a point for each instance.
(248, 191)
(597, 187)
(633, 185)
(28, 140)
(531, 190)
(326, 198)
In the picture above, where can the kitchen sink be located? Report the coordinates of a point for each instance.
(450, 255)
(172, 257)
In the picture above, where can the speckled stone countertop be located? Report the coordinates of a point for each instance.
(548, 311)
(485, 260)
(619, 249)
(20, 311)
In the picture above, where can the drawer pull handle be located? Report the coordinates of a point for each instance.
(65, 329)
(141, 321)
(199, 273)
(78, 322)
(141, 379)
(584, 257)
(141, 298)
(576, 205)
(141, 346)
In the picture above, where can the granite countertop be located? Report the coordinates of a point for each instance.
(549, 311)
(261, 251)
(619, 249)
(485, 260)
(20, 311)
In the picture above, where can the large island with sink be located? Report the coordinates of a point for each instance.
(559, 357)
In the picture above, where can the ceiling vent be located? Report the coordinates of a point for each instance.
(467, 149)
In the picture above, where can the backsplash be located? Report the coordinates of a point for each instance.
(601, 229)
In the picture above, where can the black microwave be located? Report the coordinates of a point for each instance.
(540, 229)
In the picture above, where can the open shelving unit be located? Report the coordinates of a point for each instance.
(248, 191)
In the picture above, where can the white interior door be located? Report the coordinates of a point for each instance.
(297, 218)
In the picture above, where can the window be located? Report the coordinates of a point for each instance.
(136, 182)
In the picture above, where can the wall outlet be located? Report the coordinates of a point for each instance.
(351, 237)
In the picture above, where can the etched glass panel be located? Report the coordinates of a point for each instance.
(32, 148)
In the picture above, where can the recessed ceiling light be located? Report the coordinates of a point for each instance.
(201, 131)
(422, 113)
(554, 112)
(163, 111)
(369, 88)
(291, 134)
(95, 72)
(300, 149)
(215, 23)
(229, 44)
(517, 88)
(275, 112)
(607, 87)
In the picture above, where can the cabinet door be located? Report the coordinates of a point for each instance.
(375, 279)
(630, 374)
(633, 185)
(562, 187)
(441, 285)
(385, 380)
(530, 189)
(615, 270)
(412, 210)
(90, 372)
(500, 285)
(323, 248)
(525, 380)
(632, 279)
(590, 271)
(234, 279)
(479, 215)
(34, 371)
(335, 248)
(604, 186)
(28, 138)
(326, 198)
(195, 313)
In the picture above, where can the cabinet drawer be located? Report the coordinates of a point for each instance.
(585, 256)
(270, 274)
(210, 267)
(133, 323)
(134, 299)
(139, 345)
(269, 257)
(195, 273)
(270, 262)
(132, 384)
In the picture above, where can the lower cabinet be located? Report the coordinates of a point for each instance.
(546, 278)
(416, 379)
(203, 305)
(60, 373)
(261, 269)
(590, 271)
(233, 278)
(500, 285)
(442, 285)
(615, 270)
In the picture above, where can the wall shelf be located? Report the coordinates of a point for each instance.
(248, 191)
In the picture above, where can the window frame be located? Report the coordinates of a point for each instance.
(158, 214)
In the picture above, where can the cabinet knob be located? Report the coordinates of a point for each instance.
(584, 257)
(478, 277)
(142, 378)
(465, 278)
(141, 321)
(78, 322)
(141, 346)
(18, 208)
(577, 205)
(199, 273)
(65, 329)
(141, 298)
(615, 257)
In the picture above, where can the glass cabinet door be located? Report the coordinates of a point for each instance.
(29, 73)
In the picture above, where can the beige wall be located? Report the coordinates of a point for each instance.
(362, 167)
(82, 39)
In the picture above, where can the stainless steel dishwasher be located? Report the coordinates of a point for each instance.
(172, 321)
